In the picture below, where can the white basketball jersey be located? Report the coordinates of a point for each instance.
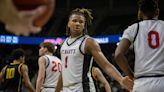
(53, 70)
(148, 46)
(76, 66)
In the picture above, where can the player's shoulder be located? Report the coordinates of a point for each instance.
(89, 39)
(91, 43)
(131, 28)
(42, 58)
(134, 25)
(63, 42)
(23, 67)
(4, 68)
(161, 22)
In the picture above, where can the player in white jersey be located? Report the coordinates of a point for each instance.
(148, 48)
(77, 53)
(49, 68)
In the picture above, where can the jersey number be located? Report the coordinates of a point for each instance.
(66, 61)
(10, 73)
(153, 39)
(56, 66)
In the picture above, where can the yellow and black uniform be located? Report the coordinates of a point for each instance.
(13, 78)
(95, 80)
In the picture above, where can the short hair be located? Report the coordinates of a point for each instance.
(17, 53)
(87, 15)
(148, 7)
(49, 46)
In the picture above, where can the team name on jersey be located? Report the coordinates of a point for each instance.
(68, 51)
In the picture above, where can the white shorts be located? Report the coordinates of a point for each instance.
(48, 90)
(153, 84)
(78, 88)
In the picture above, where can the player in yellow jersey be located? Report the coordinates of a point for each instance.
(16, 73)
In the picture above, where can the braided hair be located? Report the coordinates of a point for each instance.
(148, 7)
(87, 15)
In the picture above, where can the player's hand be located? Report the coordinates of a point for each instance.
(24, 26)
(127, 83)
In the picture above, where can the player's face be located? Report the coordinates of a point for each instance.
(41, 51)
(76, 24)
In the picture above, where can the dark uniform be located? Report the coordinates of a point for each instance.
(13, 78)
(96, 82)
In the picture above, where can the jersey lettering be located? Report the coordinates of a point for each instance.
(10, 73)
(153, 39)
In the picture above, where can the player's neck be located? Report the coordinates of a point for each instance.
(147, 18)
(16, 62)
(48, 53)
(74, 37)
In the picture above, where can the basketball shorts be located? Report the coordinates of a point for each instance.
(153, 84)
(48, 90)
(79, 88)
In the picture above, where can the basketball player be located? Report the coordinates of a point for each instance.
(16, 73)
(49, 68)
(148, 47)
(99, 77)
(19, 23)
(77, 53)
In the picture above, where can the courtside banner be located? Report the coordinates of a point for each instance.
(8, 39)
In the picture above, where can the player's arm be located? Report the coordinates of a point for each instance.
(26, 80)
(1, 76)
(121, 59)
(98, 74)
(59, 84)
(41, 73)
(2, 73)
(93, 48)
